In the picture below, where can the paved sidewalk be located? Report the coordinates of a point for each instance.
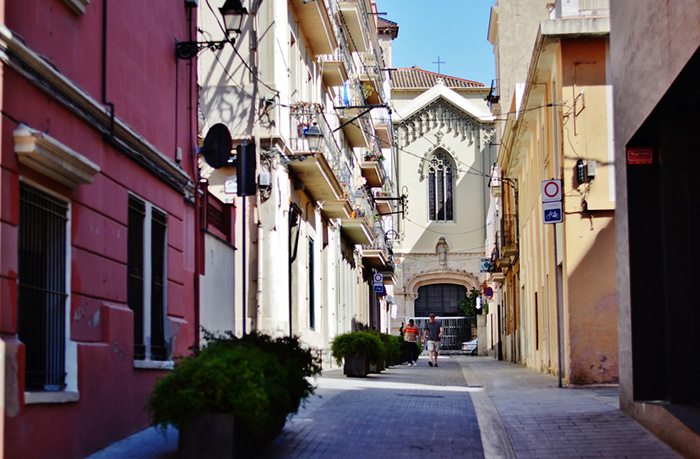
(468, 407)
(544, 421)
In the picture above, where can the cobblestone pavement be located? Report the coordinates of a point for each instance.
(407, 411)
(468, 407)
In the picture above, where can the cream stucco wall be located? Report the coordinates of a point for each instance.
(551, 136)
(277, 45)
(464, 134)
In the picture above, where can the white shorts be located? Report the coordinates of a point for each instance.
(433, 345)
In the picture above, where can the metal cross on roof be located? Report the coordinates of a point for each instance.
(438, 62)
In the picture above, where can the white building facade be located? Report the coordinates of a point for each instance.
(304, 86)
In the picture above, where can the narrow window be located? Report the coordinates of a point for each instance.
(42, 288)
(440, 188)
(146, 284)
(537, 325)
(312, 312)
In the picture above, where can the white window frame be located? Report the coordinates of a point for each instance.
(147, 362)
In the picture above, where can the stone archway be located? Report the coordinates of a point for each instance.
(465, 279)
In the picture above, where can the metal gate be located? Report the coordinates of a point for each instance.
(455, 331)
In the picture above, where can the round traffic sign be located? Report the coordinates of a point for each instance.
(378, 278)
(551, 189)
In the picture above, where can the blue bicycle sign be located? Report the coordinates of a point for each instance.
(552, 212)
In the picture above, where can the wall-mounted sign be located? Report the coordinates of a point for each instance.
(552, 212)
(485, 265)
(640, 156)
(378, 279)
(551, 190)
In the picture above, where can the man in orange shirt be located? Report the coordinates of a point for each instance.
(410, 336)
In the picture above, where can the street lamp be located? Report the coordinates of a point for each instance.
(313, 136)
(232, 12)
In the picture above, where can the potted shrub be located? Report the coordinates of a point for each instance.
(392, 344)
(233, 396)
(355, 350)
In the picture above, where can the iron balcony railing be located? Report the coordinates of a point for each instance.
(508, 235)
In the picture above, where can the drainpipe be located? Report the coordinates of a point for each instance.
(104, 69)
(198, 234)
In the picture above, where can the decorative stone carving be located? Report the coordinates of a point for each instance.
(442, 115)
(441, 248)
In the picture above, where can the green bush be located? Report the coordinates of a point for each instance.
(357, 343)
(392, 348)
(257, 379)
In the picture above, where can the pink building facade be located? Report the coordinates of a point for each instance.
(98, 284)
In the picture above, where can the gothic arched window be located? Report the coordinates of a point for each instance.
(440, 187)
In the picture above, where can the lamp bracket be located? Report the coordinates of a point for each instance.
(189, 49)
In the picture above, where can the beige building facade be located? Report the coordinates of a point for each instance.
(444, 130)
(558, 309)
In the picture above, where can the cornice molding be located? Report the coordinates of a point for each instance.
(50, 157)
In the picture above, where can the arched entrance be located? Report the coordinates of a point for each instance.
(441, 299)
(440, 293)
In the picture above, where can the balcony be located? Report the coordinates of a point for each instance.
(315, 22)
(357, 226)
(509, 235)
(353, 17)
(368, 67)
(377, 255)
(373, 170)
(334, 68)
(354, 115)
(383, 128)
(383, 202)
(320, 172)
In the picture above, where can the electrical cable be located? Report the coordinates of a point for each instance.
(235, 50)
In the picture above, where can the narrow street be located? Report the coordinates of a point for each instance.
(468, 407)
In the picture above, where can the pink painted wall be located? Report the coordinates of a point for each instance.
(152, 93)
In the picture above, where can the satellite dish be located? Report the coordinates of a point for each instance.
(217, 146)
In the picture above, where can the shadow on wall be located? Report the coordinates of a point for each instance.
(229, 105)
(592, 310)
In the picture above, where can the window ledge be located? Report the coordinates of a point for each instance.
(78, 6)
(50, 157)
(34, 398)
(154, 364)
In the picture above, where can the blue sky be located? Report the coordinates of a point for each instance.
(455, 30)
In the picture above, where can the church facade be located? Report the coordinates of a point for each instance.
(444, 131)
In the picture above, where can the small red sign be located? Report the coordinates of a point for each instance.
(640, 156)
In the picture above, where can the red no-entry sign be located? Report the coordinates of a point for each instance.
(551, 190)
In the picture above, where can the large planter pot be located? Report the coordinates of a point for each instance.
(208, 435)
(377, 367)
(356, 366)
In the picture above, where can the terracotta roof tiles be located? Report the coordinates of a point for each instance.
(416, 77)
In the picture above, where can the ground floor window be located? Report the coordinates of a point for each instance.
(42, 273)
(146, 276)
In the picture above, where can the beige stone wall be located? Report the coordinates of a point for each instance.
(548, 146)
(418, 260)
